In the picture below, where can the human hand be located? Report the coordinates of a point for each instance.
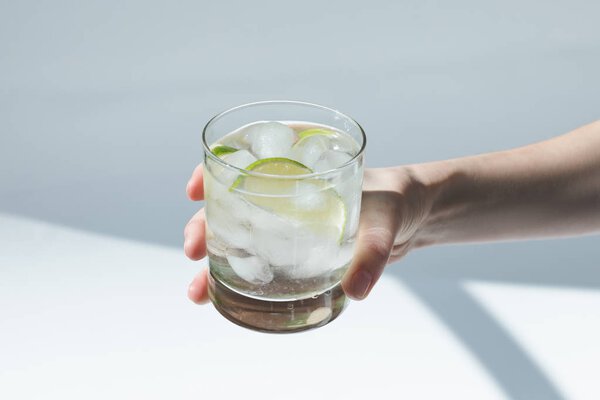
(394, 206)
(508, 195)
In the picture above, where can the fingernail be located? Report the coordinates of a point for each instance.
(360, 284)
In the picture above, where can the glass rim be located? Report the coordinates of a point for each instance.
(220, 161)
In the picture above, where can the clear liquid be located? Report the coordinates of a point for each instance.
(287, 273)
(277, 316)
(281, 288)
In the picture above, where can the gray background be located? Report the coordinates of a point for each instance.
(102, 105)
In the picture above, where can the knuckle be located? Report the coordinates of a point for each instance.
(196, 221)
(192, 252)
(378, 241)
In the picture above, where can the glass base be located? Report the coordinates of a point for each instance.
(277, 316)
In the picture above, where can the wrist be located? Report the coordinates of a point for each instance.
(441, 183)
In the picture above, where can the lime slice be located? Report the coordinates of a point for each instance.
(271, 166)
(304, 201)
(314, 131)
(222, 150)
(279, 166)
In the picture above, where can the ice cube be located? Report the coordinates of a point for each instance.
(352, 215)
(226, 221)
(237, 140)
(308, 150)
(238, 208)
(271, 234)
(240, 158)
(279, 249)
(309, 201)
(270, 139)
(344, 256)
(226, 176)
(309, 195)
(252, 269)
(214, 245)
(331, 159)
(259, 218)
(345, 143)
(324, 257)
(321, 259)
(350, 191)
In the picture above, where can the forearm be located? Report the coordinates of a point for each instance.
(547, 189)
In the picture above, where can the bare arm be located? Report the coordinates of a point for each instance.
(547, 189)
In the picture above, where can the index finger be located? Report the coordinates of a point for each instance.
(195, 186)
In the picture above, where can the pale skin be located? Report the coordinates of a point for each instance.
(547, 189)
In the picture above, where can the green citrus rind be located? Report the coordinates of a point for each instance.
(222, 150)
(265, 166)
(315, 131)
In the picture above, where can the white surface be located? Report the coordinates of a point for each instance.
(560, 328)
(87, 316)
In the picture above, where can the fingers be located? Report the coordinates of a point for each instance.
(195, 186)
(195, 237)
(198, 289)
(375, 240)
(195, 234)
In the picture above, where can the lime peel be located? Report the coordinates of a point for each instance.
(315, 131)
(222, 150)
(270, 162)
(269, 166)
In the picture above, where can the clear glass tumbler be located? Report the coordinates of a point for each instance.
(283, 184)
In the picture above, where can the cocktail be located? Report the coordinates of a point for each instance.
(283, 189)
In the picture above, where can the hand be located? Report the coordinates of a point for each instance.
(195, 237)
(394, 206)
(546, 189)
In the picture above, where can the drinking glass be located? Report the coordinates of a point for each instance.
(280, 235)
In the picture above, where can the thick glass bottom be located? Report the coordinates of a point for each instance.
(277, 316)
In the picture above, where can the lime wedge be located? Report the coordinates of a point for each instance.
(305, 201)
(222, 150)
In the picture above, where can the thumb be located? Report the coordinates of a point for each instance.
(375, 240)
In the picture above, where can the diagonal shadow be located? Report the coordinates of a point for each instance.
(506, 361)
